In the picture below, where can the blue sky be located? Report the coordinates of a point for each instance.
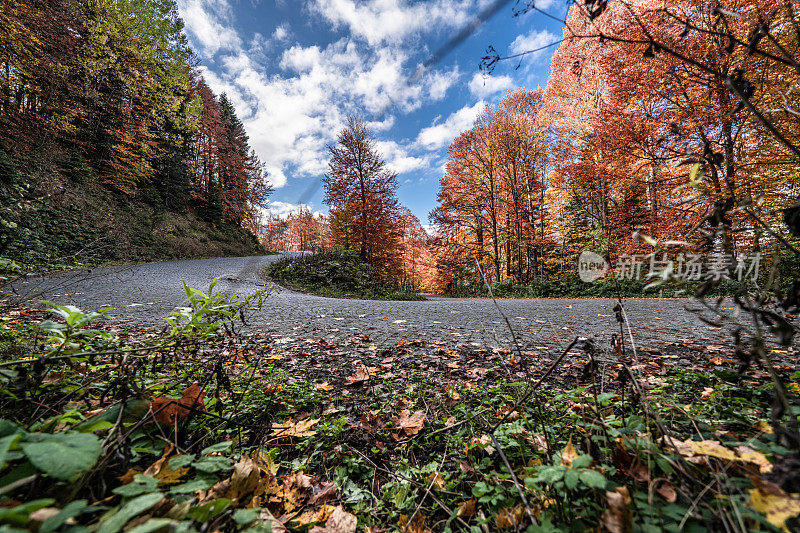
(295, 69)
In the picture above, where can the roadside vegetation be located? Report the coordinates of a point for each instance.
(337, 273)
(123, 160)
(202, 428)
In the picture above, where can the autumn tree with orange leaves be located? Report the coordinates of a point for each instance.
(678, 120)
(493, 213)
(361, 192)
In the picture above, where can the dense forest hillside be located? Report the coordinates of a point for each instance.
(112, 146)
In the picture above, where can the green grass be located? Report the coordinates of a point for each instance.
(336, 273)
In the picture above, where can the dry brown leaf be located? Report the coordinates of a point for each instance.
(289, 429)
(325, 386)
(749, 455)
(371, 421)
(340, 522)
(276, 525)
(128, 476)
(618, 518)
(361, 375)
(411, 424)
(467, 508)
(244, 480)
(665, 489)
(510, 517)
(769, 499)
(323, 493)
(712, 448)
(163, 473)
(481, 442)
(168, 410)
(416, 526)
(569, 454)
(313, 516)
(764, 427)
(435, 481)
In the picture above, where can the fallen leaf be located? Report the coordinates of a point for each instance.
(243, 481)
(569, 454)
(712, 448)
(769, 499)
(314, 516)
(323, 493)
(764, 427)
(618, 518)
(666, 489)
(294, 429)
(435, 481)
(340, 522)
(416, 526)
(749, 455)
(467, 508)
(168, 410)
(410, 424)
(510, 517)
(325, 386)
(276, 526)
(163, 473)
(371, 421)
(361, 375)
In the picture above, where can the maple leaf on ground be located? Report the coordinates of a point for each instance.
(168, 410)
(410, 424)
(289, 429)
(361, 375)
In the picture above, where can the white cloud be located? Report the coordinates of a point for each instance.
(294, 109)
(532, 41)
(390, 21)
(398, 159)
(483, 86)
(284, 209)
(282, 32)
(440, 135)
(202, 19)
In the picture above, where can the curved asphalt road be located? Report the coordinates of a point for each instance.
(145, 293)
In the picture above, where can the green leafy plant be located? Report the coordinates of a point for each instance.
(208, 311)
(72, 336)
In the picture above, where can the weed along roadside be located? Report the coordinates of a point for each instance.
(210, 423)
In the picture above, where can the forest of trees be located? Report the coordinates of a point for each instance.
(658, 123)
(112, 87)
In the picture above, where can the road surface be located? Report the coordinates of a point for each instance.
(144, 294)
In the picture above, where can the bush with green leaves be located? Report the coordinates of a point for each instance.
(338, 273)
